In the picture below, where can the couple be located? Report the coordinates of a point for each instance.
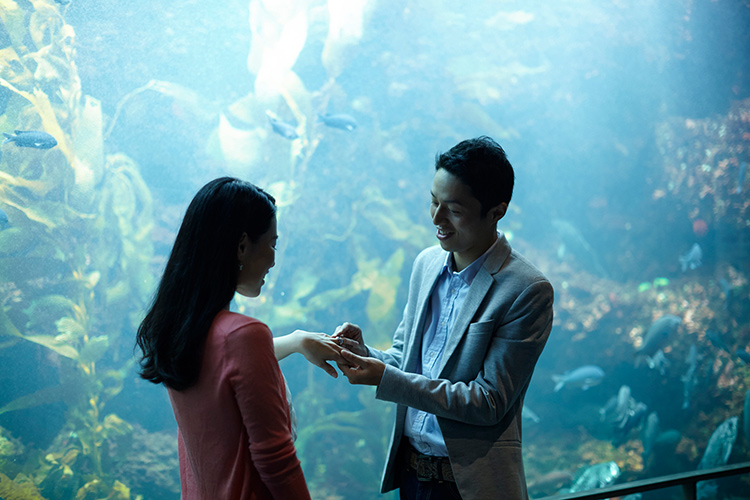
(476, 320)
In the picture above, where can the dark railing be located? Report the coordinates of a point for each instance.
(687, 480)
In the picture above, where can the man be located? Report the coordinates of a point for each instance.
(476, 320)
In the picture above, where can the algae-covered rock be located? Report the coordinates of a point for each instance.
(20, 488)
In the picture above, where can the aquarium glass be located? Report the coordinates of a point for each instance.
(627, 123)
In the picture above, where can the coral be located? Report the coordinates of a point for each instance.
(705, 172)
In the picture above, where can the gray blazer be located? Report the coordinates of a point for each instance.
(486, 368)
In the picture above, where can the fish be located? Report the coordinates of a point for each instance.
(719, 445)
(550, 482)
(692, 258)
(284, 129)
(689, 379)
(624, 414)
(529, 415)
(584, 376)
(658, 361)
(31, 139)
(4, 221)
(741, 177)
(340, 121)
(716, 454)
(649, 434)
(610, 410)
(617, 407)
(595, 476)
(667, 442)
(658, 334)
(633, 419)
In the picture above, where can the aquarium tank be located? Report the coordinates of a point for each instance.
(627, 123)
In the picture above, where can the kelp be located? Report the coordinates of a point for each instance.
(328, 438)
(188, 99)
(81, 221)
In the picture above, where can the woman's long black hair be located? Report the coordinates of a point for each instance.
(200, 278)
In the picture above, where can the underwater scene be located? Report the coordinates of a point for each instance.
(627, 123)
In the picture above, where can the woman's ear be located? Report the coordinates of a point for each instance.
(242, 247)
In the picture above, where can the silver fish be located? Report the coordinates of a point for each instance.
(658, 361)
(583, 376)
(529, 415)
(649, 434)
(692, 259)
(595, 476)
(617, 406)
(719, 445)
(659, 333)
(284, 129)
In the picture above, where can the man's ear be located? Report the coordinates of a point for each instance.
(498, 212)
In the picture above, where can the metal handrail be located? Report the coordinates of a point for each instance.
(687, 480)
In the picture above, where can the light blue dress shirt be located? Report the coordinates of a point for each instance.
(445, 302)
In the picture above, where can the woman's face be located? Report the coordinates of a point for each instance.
(256, 258)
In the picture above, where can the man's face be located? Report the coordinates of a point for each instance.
(455, 213)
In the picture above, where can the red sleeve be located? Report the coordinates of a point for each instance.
(259, 389)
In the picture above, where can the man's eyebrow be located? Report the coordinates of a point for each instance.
(454, 202)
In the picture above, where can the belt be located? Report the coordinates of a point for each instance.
(428, 467)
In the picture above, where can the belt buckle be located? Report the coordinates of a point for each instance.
(426, 468)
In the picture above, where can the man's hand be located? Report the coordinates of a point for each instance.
(361, 370)
(349, 336)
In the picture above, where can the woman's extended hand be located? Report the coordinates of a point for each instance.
(318, 348)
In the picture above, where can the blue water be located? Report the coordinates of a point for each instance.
(626, 122)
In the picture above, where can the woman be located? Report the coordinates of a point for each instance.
(221, 368)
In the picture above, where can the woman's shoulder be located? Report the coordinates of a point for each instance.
(228, 323)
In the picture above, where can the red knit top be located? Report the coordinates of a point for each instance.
(234, 425)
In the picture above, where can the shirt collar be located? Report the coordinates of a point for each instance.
(470, 272)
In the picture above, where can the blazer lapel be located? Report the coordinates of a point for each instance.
(477, 291)
(428, 280)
